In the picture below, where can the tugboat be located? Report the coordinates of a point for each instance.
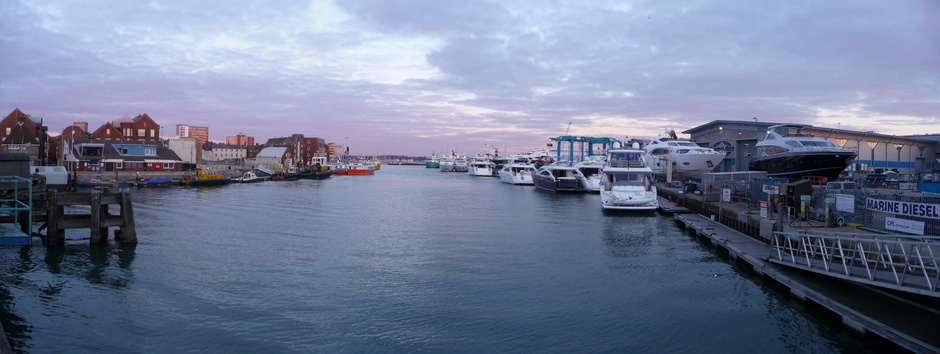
(786, 152)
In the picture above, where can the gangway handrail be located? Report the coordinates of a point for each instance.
(910, 261)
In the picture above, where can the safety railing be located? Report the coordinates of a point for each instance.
(898, 262)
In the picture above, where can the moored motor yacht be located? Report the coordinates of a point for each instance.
(686, 159)
(592, 170)
(627, 183)
(481, 166)
(787, 152)
(517, 171)
(461, 164)
(447, 164)
(560, 176)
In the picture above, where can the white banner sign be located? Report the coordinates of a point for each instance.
(902, 225)
(845, 203)
(920, 210)
(770, 189)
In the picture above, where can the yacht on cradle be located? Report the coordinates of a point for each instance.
(627, 183)
(786, 152)
(517, 171)
(591, 168)
(461, 164)
(433, 161)
(560, 176)
(481, 166)
(686, 159)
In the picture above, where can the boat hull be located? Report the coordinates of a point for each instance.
(686, 166)
(522, 177)
(557, 185)
(432, 164)
(795, 166)
(206, 182)
(629, 200)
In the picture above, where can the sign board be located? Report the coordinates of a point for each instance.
(726, 194)
(902, 225)
(763, 209)
(920, 210)
(770, 189)
(845, 203)
(806, 198)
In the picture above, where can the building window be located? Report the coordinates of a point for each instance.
(168, 165)
(141, 132)
(124, 151)
(107, 132)
(8, 130)
(119, 165)
(153, 133)
(150, 151)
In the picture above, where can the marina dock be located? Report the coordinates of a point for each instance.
(863, 308)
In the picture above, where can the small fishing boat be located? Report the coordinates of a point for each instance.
(249, 177)
(361, 169)
(204, 177)
(317, 171)
(154, 182)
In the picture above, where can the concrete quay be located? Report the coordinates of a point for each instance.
(864, 310)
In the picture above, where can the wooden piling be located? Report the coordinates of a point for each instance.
(97, 221)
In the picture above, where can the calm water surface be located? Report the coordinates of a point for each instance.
(410, 259)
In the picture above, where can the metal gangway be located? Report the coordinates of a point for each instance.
(900, 262)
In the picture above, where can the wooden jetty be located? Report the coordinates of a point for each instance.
(862, 308)
(98, 220)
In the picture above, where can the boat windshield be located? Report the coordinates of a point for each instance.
(628, 179)
(817, 143)
(626, 158)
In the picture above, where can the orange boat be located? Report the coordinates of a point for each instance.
(360, 169)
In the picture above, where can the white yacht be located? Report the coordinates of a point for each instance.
(517, 171)
(787, 152)
(591, 168)
(481, 166)
(686, 159)
(447, 163)
(560, 176)
(461, 164)
(627, 183)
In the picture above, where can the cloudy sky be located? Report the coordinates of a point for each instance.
(412, 76)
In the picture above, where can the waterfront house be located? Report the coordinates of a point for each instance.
(96, 155)
(20, 132)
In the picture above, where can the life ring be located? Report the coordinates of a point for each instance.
(840, 221)
(710, 188)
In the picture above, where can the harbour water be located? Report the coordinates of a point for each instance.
(410, 259)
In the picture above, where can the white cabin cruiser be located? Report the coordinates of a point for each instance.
(786, 152)
(592, 169)
(461, 164)
(481, 166)
(688, 159)
(517, 171)
(447, 163)
(628, 181)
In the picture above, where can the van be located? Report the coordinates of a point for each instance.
(841, 187)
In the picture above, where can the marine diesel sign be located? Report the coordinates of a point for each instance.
(920, 210)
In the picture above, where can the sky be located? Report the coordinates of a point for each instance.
(414, 77)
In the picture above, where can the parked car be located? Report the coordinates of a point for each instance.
(842, 187)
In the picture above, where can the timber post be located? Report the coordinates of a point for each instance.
(97, 221)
